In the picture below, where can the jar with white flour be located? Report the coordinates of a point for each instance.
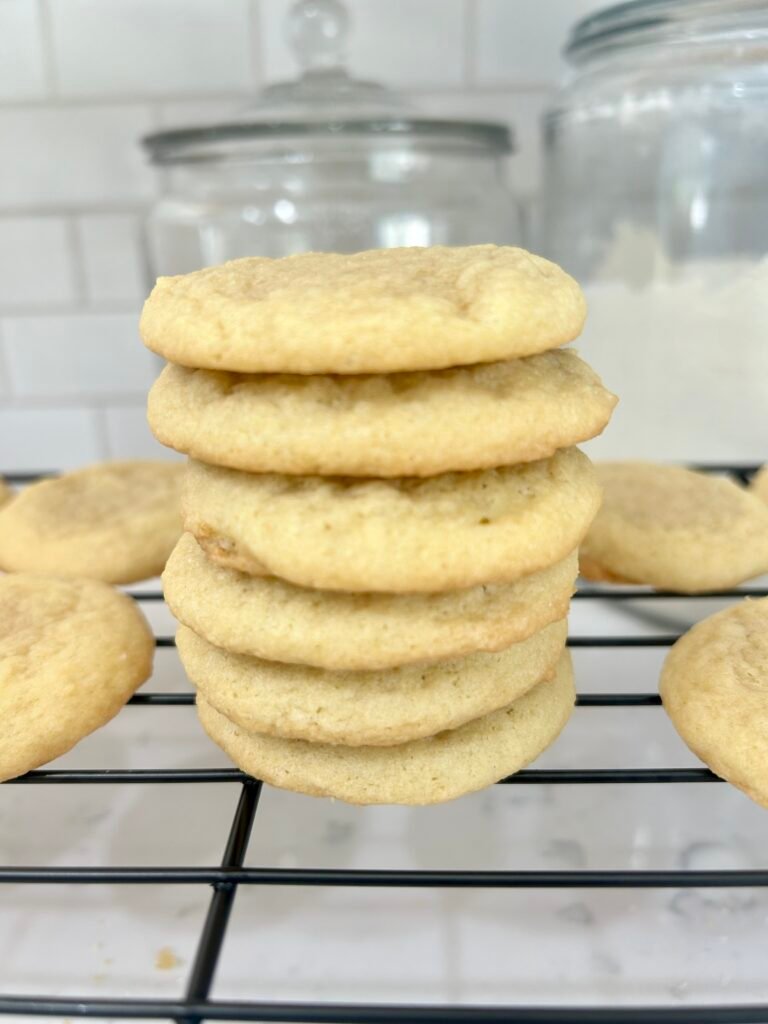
(656, 199)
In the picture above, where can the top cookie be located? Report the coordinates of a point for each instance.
(115, 521)
(371, 312)
(675, 529)
(404, 424)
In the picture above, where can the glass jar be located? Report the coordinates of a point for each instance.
(656, 199)
(326, 163)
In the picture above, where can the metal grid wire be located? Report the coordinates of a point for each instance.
(225, 878)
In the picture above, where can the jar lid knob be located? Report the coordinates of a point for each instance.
(317, 32)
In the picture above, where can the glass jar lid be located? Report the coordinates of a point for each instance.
(640, 22)
(325, 101)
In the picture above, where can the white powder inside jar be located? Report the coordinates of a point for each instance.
(685, 347)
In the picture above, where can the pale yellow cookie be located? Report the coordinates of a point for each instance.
(269, 618)
(5, 492)
(407, 424)
(759, 484)
(675, 529)
(115, 521)
(378, 708)
(71, 654)
(438, 533)
(714, 686)
(424, 771)
(372, 312)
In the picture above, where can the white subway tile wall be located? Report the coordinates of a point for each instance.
(49, 437)
(113, 272)
(128, 435)
(38, 269)
(82, 80)
(66, 356)
(410, 43)
(519, 42)
(73, 156)
(150, 47)
(5, 389)
(22, 68)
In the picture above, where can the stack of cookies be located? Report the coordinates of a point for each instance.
(382, 508)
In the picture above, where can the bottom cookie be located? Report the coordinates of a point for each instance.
(424, 771)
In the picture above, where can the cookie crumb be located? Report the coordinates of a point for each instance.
(166, 959)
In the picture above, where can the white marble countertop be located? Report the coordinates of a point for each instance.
(569, 946)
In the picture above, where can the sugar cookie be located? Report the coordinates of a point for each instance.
(424, 771)
(378, 708)
(373, 312)
(714, 686)
(407, 534)
(269, 618)
(71, 654)
(406, 424)
(115, 521)
(675, 529)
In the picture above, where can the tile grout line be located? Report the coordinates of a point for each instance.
(470, 40)
(60, 309)
(50, 67)
(5, 370)
(151, 100)
(126, 99)
(256, 36)
(76, 251)
(64, 209)
(156, 118)
(101, 434)
(89, 399)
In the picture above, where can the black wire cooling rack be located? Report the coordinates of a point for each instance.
(226, 877)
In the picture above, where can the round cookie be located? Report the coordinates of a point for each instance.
(372, 312)
(759, 484)
(115, 521)
(439, 533)
(674, 529)
(408, 424)
(714, 686)
(272, 619)
(366, 708)
(424, 771)
(5, 492)
(71, 654)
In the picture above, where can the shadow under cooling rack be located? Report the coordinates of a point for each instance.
(226, 877)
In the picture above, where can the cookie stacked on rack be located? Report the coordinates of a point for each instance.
(382, 509)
